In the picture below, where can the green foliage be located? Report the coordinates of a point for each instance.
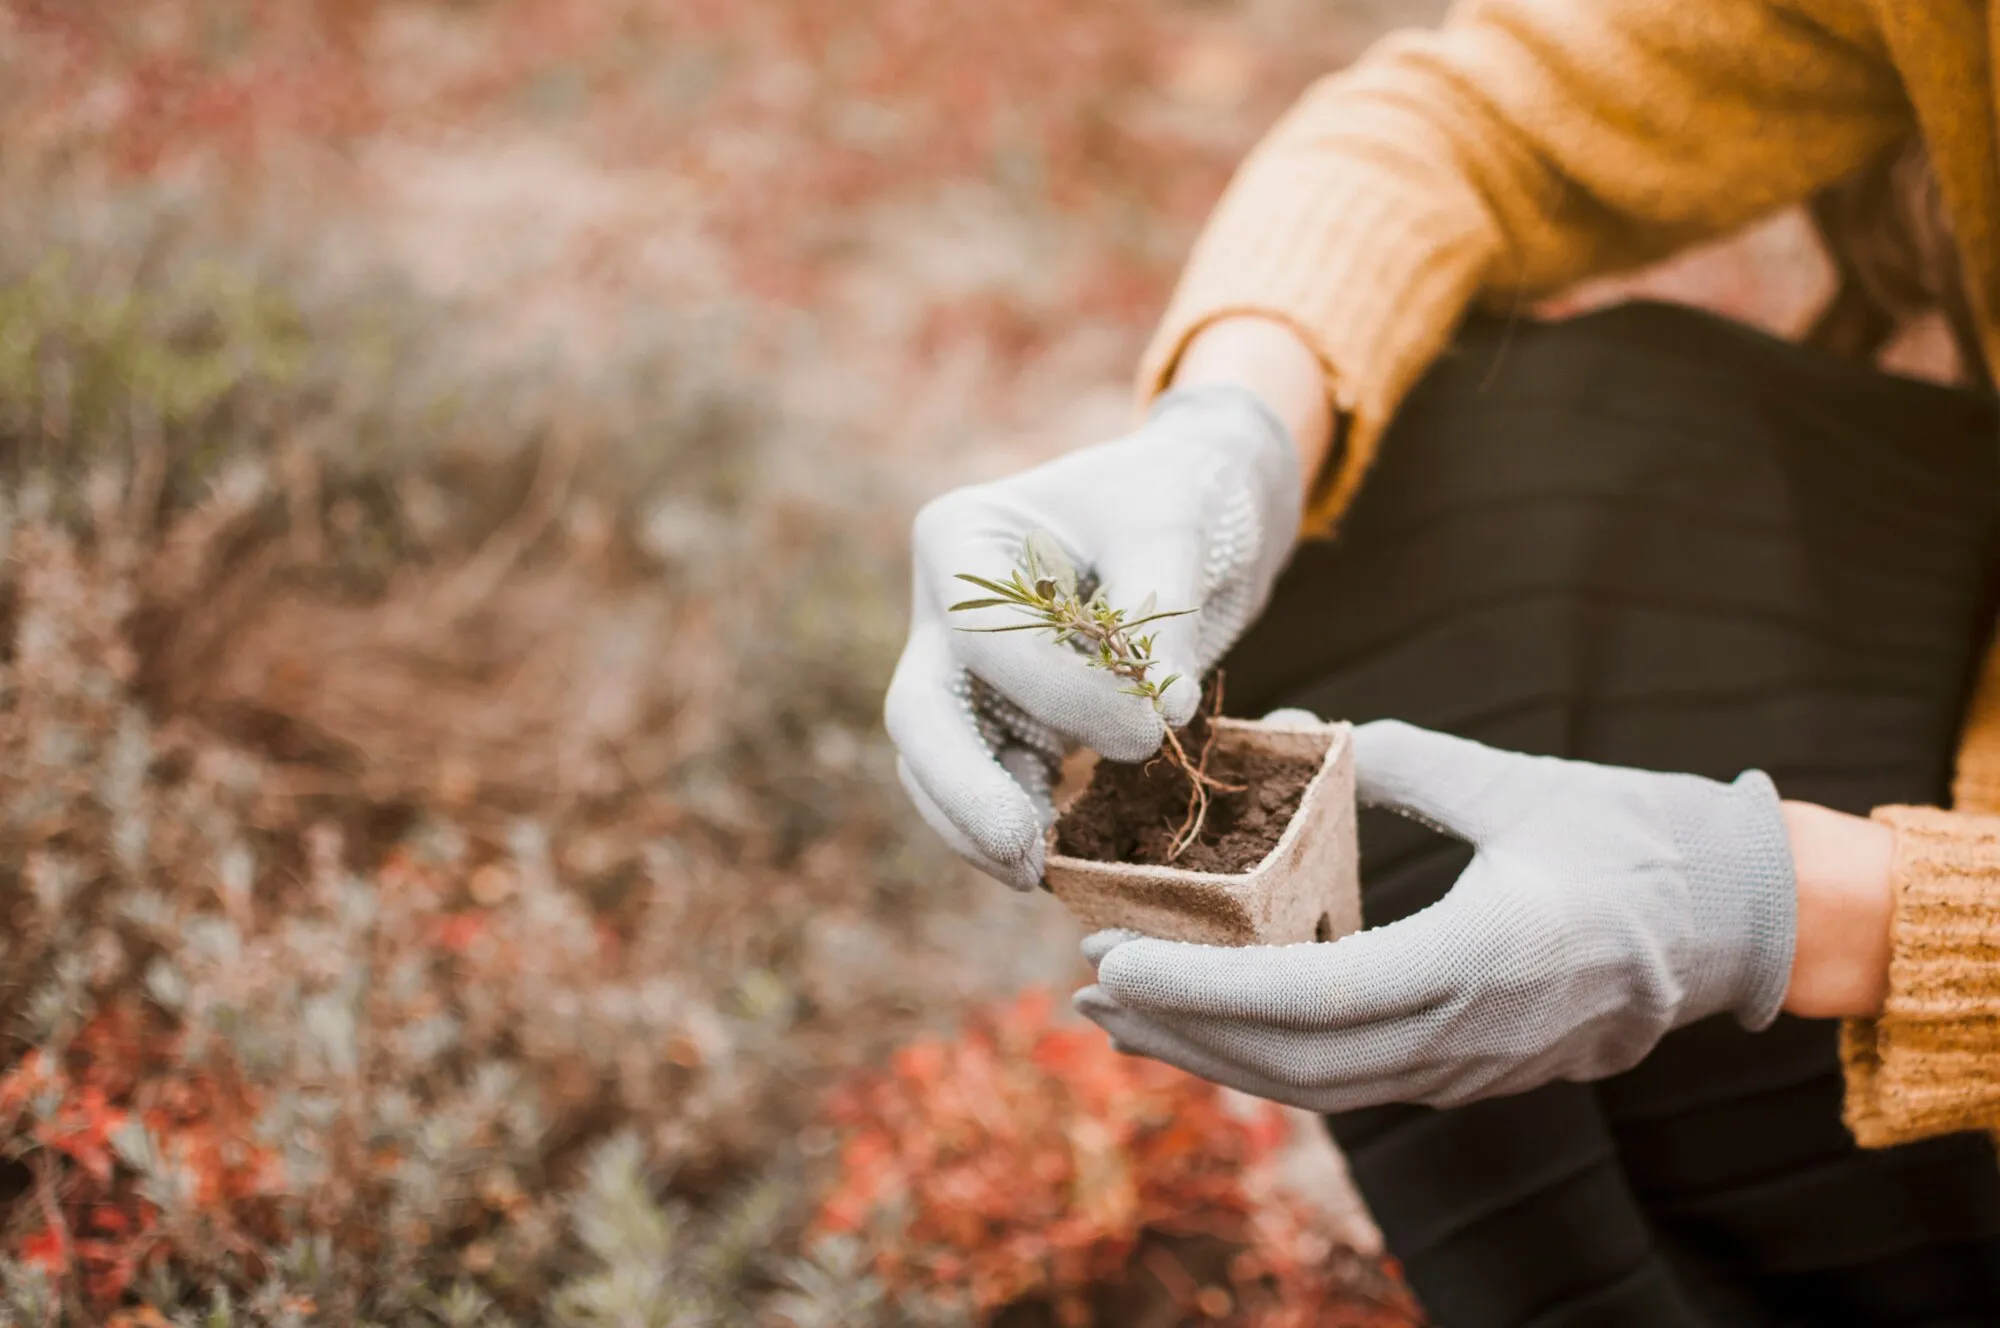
(398, 1016)
(88, 361)
(659, 1264)
(833, 1285)
(28, 1296)
(421, 763)
(1046, 589)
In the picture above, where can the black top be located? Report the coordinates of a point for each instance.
(1650, 537)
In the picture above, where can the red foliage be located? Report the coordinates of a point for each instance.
(1027, 1160)
(856, 104)
(150, 84)
(124, 1067)
(781, 123)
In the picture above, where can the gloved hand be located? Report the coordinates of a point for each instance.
(1603, 908)
(1198, 508)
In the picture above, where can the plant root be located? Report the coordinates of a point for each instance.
(1201, 784)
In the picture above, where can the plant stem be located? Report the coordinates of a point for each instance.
(1045, 588)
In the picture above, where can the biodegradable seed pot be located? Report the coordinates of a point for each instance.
(1237, 833)
(1275, 862)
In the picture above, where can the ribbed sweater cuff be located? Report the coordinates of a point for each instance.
(1930, 1063)
(1371, 271)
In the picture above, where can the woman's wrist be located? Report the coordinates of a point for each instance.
(1843, 864)
(1273, 361)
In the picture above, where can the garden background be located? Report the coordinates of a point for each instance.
(456, 463)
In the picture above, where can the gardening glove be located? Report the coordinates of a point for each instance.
(1196, 509)
(1603, 908)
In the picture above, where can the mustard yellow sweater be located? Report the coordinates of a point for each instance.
(1528, 144)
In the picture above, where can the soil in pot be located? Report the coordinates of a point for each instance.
(1133, 812)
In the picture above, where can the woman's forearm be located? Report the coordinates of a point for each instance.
(1840, 967)
(1270, 359)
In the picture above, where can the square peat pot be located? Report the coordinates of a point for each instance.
(1307, 888)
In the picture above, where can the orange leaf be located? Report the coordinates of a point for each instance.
(47, 1250)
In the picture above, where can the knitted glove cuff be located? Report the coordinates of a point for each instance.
(1745, 900)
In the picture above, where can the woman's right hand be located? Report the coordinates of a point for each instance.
(1197, 507)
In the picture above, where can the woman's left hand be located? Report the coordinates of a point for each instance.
(1603, 908)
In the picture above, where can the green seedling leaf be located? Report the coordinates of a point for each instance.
(1013, 594)
(1156, 617)
(1048, 563)
(1148, 604)
(966, 604)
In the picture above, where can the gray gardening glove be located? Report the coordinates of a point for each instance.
(1603, 908)
(1197, 508)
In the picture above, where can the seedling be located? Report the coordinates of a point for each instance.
(1045, 588)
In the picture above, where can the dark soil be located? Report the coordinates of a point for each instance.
(1131, 813)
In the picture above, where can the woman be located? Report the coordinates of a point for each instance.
(1584, 1058)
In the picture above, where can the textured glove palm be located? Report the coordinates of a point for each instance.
(1603, 908)
(1198, 508)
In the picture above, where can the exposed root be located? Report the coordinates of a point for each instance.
(1201, 784)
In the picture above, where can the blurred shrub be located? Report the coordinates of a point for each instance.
(1098, 129)
(446, 841)
(1026, 1173)
(406, 872)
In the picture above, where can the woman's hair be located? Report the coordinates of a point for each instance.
(1894, 259)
